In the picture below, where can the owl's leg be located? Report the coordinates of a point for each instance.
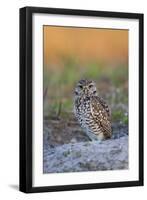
(92, 136)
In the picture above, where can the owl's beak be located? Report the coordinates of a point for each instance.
(86, 90)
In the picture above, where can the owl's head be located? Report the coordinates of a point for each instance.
(85, 88)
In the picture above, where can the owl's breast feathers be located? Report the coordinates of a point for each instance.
(95, 111)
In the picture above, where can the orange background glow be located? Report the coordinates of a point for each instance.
(85, 44)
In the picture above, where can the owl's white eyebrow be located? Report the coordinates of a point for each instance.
(91, 84)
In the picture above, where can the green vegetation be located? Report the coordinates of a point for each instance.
(112, 84)
(119, 115)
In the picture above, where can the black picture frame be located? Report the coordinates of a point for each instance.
(26, 14)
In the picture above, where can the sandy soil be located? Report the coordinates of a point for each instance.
(67, 148)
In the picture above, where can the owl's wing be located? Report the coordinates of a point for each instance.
(101, 115)
(105, 106)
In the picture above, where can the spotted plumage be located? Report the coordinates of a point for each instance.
(92, 111)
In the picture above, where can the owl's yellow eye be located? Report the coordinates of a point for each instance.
(80, 86)
(90, 86)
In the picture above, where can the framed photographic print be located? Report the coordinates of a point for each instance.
(81, 99)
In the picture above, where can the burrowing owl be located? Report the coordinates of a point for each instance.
(91, 111)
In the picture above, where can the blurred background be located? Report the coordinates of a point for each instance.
(71, 54)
